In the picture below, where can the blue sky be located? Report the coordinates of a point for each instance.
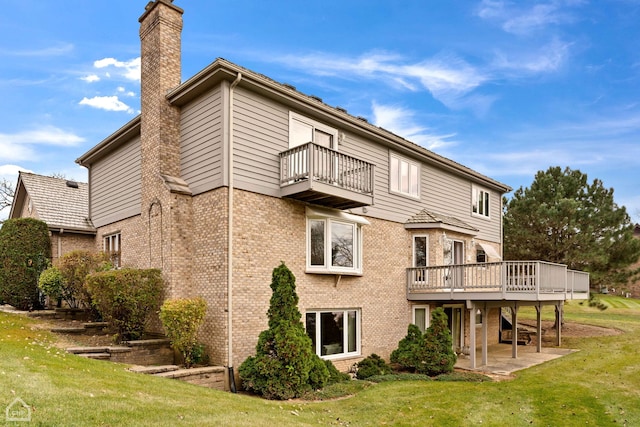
(505, 87)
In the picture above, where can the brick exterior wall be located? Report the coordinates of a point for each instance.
(62, 243)
(269, 230)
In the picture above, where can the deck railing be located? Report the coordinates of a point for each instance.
(506, 277)
(317, 163)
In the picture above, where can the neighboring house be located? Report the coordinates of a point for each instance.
(223, 177)
(62, 204)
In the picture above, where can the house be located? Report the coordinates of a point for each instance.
(62, 204)
(226, 175)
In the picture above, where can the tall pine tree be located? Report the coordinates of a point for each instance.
(285, 365)
(562, 218)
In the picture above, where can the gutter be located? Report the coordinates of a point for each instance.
(232, 382)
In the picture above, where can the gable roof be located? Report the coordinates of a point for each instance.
(221, 70)
(60, 203)
(428, 219)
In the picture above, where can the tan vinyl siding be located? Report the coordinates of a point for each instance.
(260, 132)
(440, 191)
(201, 152)
(115, 185)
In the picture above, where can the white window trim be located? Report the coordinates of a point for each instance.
(318, 334)
(107, 240)
(410, 163)
(315, 125)
(474, 200)
(427, 315)
(338, 217)
(413, 256)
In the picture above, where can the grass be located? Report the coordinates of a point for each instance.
(599, 385)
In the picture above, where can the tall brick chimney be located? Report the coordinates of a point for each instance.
(160, 29)
(166, 199)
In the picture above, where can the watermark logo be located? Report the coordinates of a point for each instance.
(18, 410)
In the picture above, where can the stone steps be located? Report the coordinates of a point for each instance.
(206, 376)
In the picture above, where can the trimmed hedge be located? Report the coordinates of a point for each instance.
(181, 319)
(25, 251)
(125, 298)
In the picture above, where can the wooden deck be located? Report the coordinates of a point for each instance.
(497, 281)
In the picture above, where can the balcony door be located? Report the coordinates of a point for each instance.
(303, 130)
(454, 257)
(455, 316)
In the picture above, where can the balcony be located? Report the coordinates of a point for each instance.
(506, 280)
(316, 174)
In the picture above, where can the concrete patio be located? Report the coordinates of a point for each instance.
(501, 362)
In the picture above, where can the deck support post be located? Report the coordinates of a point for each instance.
(514, 331)
(559, 324)
(485, 327)
(539, 328)
(472, 336)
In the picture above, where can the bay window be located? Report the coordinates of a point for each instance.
(334, 242)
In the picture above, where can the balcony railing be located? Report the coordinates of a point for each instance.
(509, 280)
(315, 173)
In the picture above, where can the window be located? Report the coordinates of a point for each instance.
(481, 255)
(404, 176)
(112, 247)
(334, 242)
(334, 333)
(420, 256)
(421, 317)
(303, 130)
(480, 202)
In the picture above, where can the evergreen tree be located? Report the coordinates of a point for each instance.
(562, 218)
(438, 357)
(285, 365)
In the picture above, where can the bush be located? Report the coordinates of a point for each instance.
(409, 354)
(25, 251)
(439, 357)
(285, 365)
(335, 376)
(430, 353)
(372, 365)
(125, 298)
(51, 283)
(181, 319)
(74, 267)
(66, 280)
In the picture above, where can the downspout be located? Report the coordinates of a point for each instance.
(232, 382)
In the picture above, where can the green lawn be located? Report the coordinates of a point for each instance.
(598, 386)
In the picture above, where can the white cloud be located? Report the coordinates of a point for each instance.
(128, 69)
(124, 91)
(401, 122)
(59, 50)
(529, 19)
(108, 103)
(546, 59)
(446, 76)
(10, 172)
(19, 146)
(91, 78)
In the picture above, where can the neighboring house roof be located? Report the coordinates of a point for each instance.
(221, 69)
(428, 219)
(62, 204)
